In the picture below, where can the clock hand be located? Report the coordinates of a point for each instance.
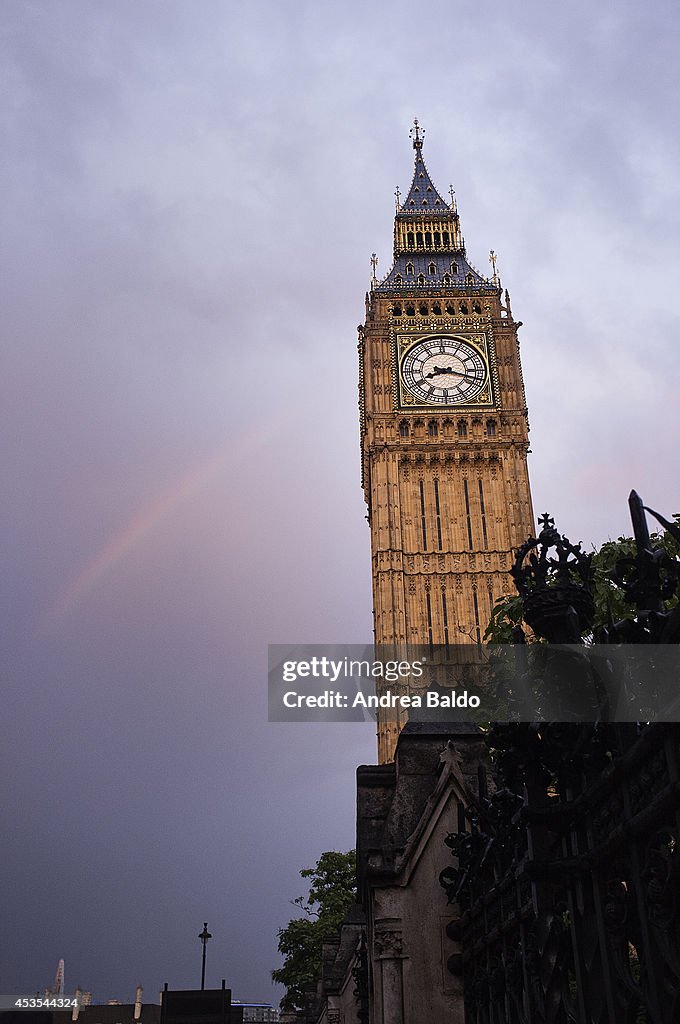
(439, 370)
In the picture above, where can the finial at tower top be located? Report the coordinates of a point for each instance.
(417, 134)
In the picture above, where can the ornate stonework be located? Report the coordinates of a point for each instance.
(444, 435)
(387, 943)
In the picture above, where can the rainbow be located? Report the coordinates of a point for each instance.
(144, 523)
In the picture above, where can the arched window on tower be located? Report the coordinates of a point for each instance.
(454, 267)
(447, 279)
(421, 279)
(469, 279)
(476, 308)
(490, 428)
(410, 239)
(463, 307)
(423, 309)
(403, 428)
(398, 279)
(437, 309)
(410, 310)
(432, 429)
(409, 268)
(462, 428)
(396, 309)
(450, 309)
(432, 270)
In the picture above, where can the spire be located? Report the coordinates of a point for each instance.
(422, 196)
(374, 264)
(492, 260)
(417, 134)
(429, 249)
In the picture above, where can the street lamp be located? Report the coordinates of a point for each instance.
(204, 936)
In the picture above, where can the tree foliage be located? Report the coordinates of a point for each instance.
(608, 593)
(332, 891)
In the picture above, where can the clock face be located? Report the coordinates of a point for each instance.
(444, 371)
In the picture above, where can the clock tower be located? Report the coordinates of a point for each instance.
(444, 435)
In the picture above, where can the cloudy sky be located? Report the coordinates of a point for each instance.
(191, 193)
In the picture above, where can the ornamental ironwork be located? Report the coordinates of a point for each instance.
(566, 873)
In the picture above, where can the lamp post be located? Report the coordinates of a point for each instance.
(204, 936)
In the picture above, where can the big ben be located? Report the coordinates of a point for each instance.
(444, 434)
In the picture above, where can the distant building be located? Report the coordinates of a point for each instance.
(111, 1012)
(199, 1006)
(211, 1006)
(258, 1012)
